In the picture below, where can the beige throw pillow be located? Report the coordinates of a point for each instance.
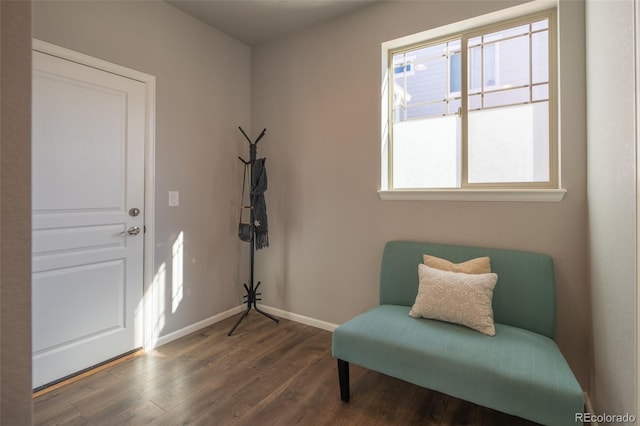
(456, 297)
(479, 265)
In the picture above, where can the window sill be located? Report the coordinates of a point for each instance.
(530, 195)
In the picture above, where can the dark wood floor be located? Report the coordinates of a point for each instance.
(265, 374)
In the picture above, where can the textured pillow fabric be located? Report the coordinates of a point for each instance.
(479, 265)
(456, 297)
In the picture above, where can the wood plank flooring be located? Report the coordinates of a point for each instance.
(264, 374)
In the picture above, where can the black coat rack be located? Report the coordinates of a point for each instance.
(252, 290)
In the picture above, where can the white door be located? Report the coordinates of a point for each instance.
(88, 174)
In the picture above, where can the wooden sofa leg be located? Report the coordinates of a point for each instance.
(343, 376)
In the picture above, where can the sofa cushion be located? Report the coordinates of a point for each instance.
(456, 297)
(479, 265)
(517, 371)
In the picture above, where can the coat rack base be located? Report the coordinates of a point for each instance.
(252, 299)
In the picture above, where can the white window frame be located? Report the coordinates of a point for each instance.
(552, 191)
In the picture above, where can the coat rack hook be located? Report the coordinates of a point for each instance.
(245, 135)
(260, 137)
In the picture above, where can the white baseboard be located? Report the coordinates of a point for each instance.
(233, 311)
(299, 318)
(163, 340)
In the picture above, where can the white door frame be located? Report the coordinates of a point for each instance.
(149, 166)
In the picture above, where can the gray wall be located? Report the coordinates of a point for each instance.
(15, 213)
(612, 195)
(318, 93)
(203, 94)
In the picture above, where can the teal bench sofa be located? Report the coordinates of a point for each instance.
(519, 371)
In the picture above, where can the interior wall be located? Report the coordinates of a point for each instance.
(202, 95)
(612, 130)
(318, 94)
(15, 213)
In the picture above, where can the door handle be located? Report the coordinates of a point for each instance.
(134, 230)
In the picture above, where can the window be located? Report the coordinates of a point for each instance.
(473, 109)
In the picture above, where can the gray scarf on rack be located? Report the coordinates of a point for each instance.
(258, 188)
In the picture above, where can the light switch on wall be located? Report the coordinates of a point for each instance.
(174, 198)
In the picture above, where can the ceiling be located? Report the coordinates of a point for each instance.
(255, 21)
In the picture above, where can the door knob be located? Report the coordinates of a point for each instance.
(134, 230)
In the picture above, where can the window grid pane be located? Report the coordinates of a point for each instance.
(506, 61)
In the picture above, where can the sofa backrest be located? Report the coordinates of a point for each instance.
(524, 295)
